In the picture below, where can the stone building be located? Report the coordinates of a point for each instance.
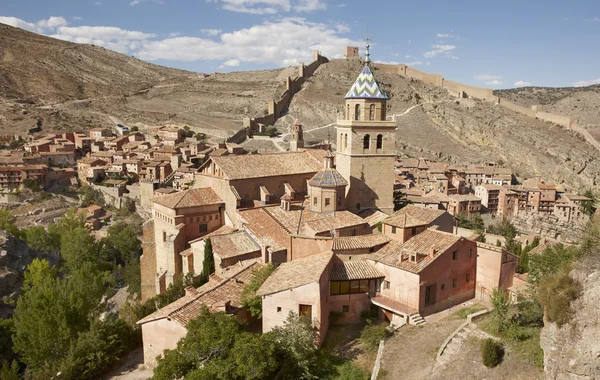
(366, 146)
(412, 220)
(297, 136)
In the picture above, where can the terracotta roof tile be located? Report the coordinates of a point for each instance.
(234, 244)
(413, 216)
(189, 198)
(397, 254)
(296, 273)
(213, 295)
(353, 270)
(359, 242)
(266, 165)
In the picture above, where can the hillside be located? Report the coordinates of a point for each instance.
(433, 125)
(579, 103)
(74, 86)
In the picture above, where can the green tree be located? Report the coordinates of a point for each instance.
(249, 298)
(589, 207)
(6, 344)
(50, 315)
(400, 200)
(556, 292)
(78, 246)
(208, 266)
(45, 241)
(200, 137)
(38, 272)
(296, 340)
(590, 242)
(254, 356)
(121, 244)
(91, 196)
(500, 310)
(7, 222)
(491, 352)
(550, 261)
(9, 371)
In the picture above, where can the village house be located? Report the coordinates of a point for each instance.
(496, 268)
(411, 220)
(464, 204)
(489, 195)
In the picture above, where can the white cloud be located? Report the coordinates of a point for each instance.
(595, 19)
(296, 38)
(522, 83)
(388, 62)
(408, 56)
(232, 63)
(583, 83)
(487, 77)
(439, 49)
(442, 35)
(494, 82)
(70, 33)
(134, 2)
(211, 32)
(174, 34)
(341, 5)
(341, 28)
(41, 26)
(98, 3)
(416, 63)
(77, 18)
(262, 7)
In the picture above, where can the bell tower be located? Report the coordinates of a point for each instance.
(366, 145)
(297, 136)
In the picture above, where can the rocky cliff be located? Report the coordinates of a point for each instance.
(572, 352)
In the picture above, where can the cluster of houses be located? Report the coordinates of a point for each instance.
(326, 221)
(485, 189)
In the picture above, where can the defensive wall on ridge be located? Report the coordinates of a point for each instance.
(461, 90)
(276, 108)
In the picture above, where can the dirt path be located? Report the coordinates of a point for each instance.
(411, 352)
(131, 369)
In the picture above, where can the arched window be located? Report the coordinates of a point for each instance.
(379, 141)
(348, 112)
(372, 112)
(345, 141)
(357, 112)
(366, 141)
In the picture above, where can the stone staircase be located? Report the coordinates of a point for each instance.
(416, 319)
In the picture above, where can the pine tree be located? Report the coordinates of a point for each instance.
(208, 267)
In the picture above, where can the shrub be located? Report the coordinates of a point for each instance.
(372, 334)
(491, 352)
(556, 294)
(349, 371)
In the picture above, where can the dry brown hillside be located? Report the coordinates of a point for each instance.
(579, 103)
(73, 86)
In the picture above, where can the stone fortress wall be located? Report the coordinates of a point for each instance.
(463, 90)
(276, 108)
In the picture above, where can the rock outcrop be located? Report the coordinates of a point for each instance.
(572, 352)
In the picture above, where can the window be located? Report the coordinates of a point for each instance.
(217, 217)
(210, 217)
(348, 112)
(366, 141)
(379, 141)
(345, 140)
(455, 283)
(279, 309)
(357, 112)
(335, 288)
(372, 112)
(386, 284)
(354, 286)
(443, 286)
(454, 255)
(393, 230)
(470, 252)
(305, 311)
(468, 277)
(315, 201)
(413, 232)
(344, 287)
(164, 236)
(197, 219)
(327, 201)
(358, 206)
(353, 232)
(203, 227)
(339, 201)
(345, 308)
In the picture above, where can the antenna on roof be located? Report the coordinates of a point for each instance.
(367, 45)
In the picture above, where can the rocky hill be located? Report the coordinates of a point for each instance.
(579, 103)
(73, 86)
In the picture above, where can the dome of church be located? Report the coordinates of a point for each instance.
(328, 177)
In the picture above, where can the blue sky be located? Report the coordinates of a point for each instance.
(490, 44)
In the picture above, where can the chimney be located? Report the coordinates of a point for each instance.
(286, 202)
(431, 251)
(264, 252)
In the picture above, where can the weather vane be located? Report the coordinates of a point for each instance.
(367, 45)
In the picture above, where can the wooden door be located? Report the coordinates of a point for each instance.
(306, 311)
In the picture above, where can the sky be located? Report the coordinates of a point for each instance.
(504, 44)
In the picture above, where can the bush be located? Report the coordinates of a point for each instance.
(491, 352)
(372, 334)
(349, 371)
(556, 294)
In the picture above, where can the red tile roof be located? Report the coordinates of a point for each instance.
(353, 270)
(189, 198)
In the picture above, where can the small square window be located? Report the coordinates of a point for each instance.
(203, 227)
(210, 217)
(455, 283)
(327, 201)
(346, 308)
(443, 286)
(217, 217)
(413, 231)
(197, 219)
(279, 309)
(468, 277)
(314, 201)
(386, 284)
(393, 230)
(204, 218)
